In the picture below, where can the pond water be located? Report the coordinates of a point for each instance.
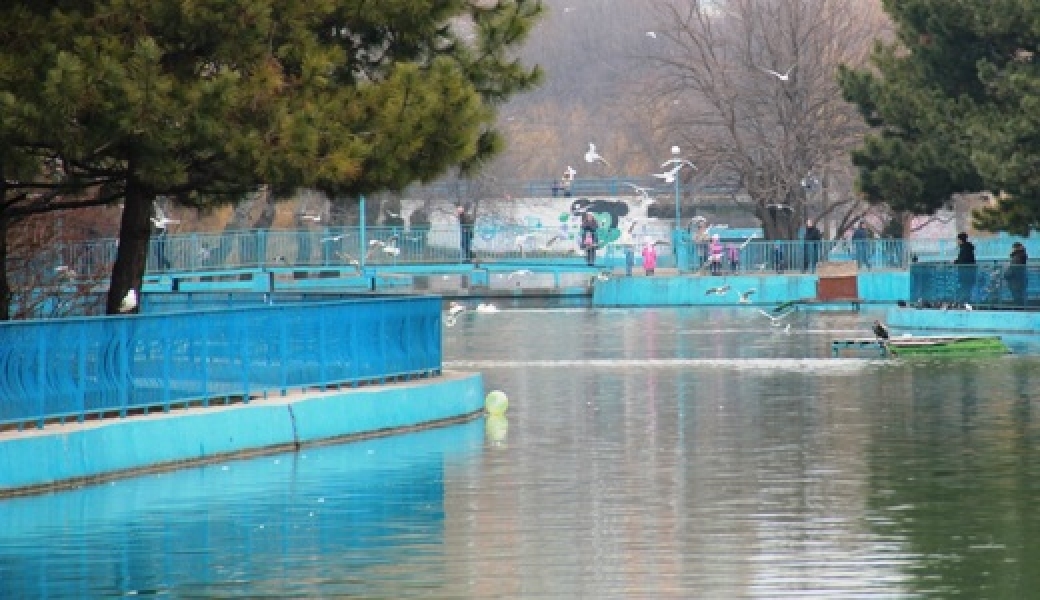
(651, 453)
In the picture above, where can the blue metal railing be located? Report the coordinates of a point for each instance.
(990, 284)
(73, 369)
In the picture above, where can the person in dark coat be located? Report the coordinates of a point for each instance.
(589, 237)
(1016, 274)
(812, 239)
(860, 244)
(466, 222)
(966, 269)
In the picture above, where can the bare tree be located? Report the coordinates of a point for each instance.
(755, 80)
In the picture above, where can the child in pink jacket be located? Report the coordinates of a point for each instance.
(649, 258)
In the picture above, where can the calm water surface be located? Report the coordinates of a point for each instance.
(654, 453)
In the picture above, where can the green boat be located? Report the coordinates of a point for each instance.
(934, 345)
(947, 345)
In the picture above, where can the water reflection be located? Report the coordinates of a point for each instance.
(658, 453)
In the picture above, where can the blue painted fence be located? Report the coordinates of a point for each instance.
(73, 369)
(989, 284)
(349, 247)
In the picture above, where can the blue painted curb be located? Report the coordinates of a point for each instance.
(62, 456)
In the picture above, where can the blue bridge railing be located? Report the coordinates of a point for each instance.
(81, 368)
(988, 284)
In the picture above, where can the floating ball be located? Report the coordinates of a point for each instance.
(496, 428)
(496, 403)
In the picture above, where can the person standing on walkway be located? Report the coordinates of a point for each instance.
(861, 245)
(811, 240)
(1016, 275)
(649, 257)
(466, 222)
(589, 237)
(966, 269)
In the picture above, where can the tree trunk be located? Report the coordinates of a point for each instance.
(5, 284)
(132, 254)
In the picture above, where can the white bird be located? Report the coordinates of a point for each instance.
(129, 302)
(603, 276)
(487, 308)
(651, 34)
(519, 273)
(669, 176)
(775, 319)
(569, 173)
(312, 218)
(717, 291)
(65, 271)
(643, 192)
(332, 238)
(788, 328)
(746, 242)
(745, 297)
(781, 76)
(968, 307)
(160, 220)
(593, 157)
(456, 308)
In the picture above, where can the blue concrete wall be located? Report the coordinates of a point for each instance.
(884, 286)
(932, 319)
(770, 289)
(48, 457)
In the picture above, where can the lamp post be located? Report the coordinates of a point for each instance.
(678, 212)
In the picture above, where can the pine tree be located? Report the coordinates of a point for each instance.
(953, 100)
(206, 101)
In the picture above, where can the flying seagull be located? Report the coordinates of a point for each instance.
(593, 157)
(745, 297)
(487, 308)
(775, 320)
(651, 34)
(129, 302)
(643, 192)
(781, 76)
(569, 173)
(669, 176)
(717, 291)
(160, 220)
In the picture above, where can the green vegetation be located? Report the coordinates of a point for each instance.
(109, 101)
(954, 102)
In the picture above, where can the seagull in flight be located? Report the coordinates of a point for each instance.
(775, 320)
(160, 220)
(129, 302)
(487, 308)
(519, 273)
(456, 308)
(669, 176)
(678, 162)
(781, 76)
(717, 291)
(643, 192)
(591, 156)
(569, 173)
(651, 34)
(745, 297)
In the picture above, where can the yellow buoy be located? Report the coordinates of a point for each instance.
(496, 403)
(496, 428)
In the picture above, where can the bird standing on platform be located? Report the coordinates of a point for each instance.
(880, 331)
